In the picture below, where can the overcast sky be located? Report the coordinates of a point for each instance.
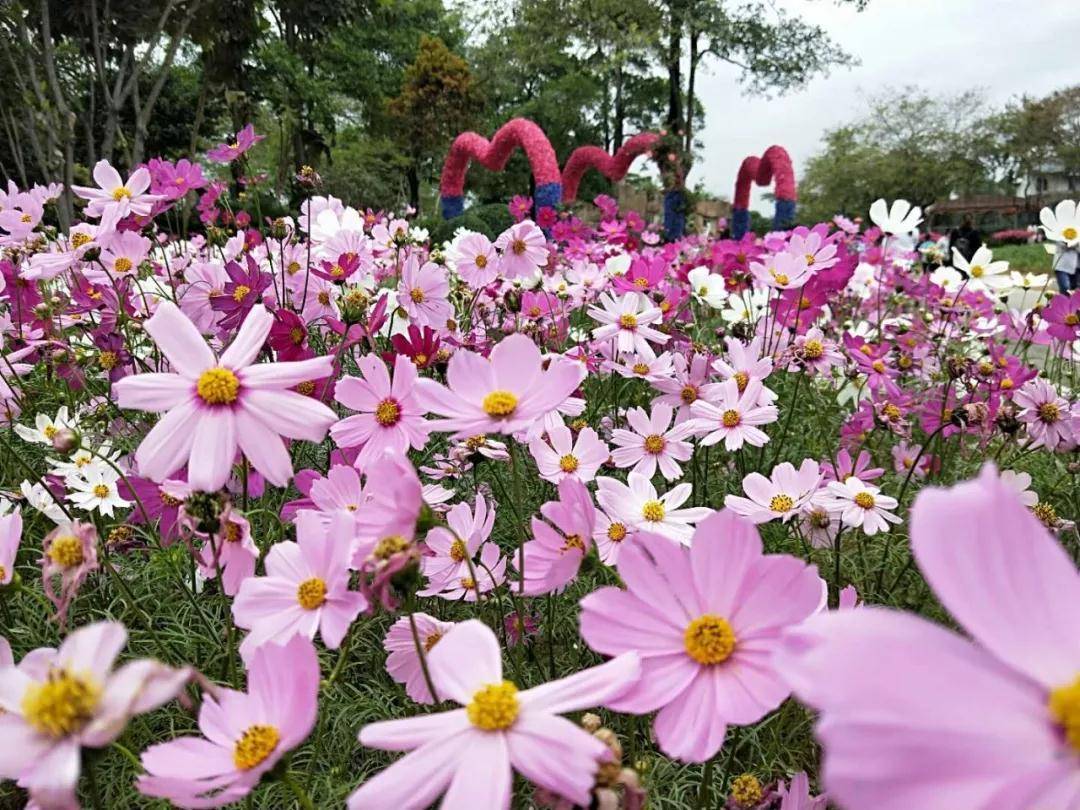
(1005, 47)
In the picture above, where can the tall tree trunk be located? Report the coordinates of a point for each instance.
(412, 175)
(694, 59)
(674, 67)
(620, 109)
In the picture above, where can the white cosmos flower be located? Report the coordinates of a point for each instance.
(707, 286)
(948, 278)
(43, 501)
(97, 489)
(746, 306)
(45, 428)
(1020, 481)
(1062, 224)
(984, 274)
(902, 217)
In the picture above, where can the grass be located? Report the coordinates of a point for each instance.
(1025, 258)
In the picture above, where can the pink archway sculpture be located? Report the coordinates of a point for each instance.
(772, 168)
(613, 167)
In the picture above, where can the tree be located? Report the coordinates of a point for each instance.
(438, 99)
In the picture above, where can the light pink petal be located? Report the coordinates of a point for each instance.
(614, 621)
(486, 782)
(249, 339)
(263, 448)
(188, 758)
(778, 590)
(93, 648)
(413, 732)
(179, 340)
(106, 176)
(286, 375)
(589, 688)
(213, 448)
(152, 392)
(1001, 574)
(290, 414)
(415, 780)
(689, 728)
(556, 754)
(662, 679)
(465, 659)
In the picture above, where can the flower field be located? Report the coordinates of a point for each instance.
(317, 512)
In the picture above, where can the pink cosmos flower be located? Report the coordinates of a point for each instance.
(339, 492)
(627, 320)
(524, 250)
(214, 405)
(501, 394)
(1063, 316)
(904, 457)
(1045, 413)
(990, 719)
(610, 535)
(55, 702)
(705, 621)
(846, 467)
(422, 293)
(70, 555)
(733, 417)
(744, 362)
(228, 152)
(814, 352)
(859, 505)
(246, 733)
(403, 662)
(637, 505)
(562, 456)
(389, 417)
(11, 526)
(114, 199)
(652, 443)
(552, 558)
(232, 550)
(305, 590)
(475, 260)
(470, 753)
(454, 549)
(686, 386)
(782, 495)
(796, 796)
(782, 271)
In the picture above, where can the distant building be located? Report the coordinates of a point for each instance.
(1047, 184)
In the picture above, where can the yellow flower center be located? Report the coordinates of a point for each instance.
(232, 532)
(781, 279)
(616, 532)
(417, 295)
(293, 268)
(468, 583)
(122, 193)
(122, 264)
(641, 368)
(494, 707)
(101, 491)
(574, 541)
(389, 546)
(568, 463)
(240, 292)
(474, 443)
(892, 411)
(878, 366)
(80, 239)
(254, 746)
(518, 246)
(458, 551)
(977, 271)
(66, 551)
(1049, 412)
(654, 444)
(218, 386)
(311, 594)
(746, 790)
(1069, 233)
(388, 413)
(500, 404)
(731, 419)
(337, 271)
(1065, 709)
(432, 640)
(865, 500)
(742, 379)
(62, 704)
(781, 503)
(1072, 319)
(480, 261)
(628, 321)
(709, 639)
(108, 360)
(653, 511)
(813, 349)
(324, 298)
(688, 394)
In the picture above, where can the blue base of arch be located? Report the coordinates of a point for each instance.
(740, 222)
(674, 214)
(452, 206)
(549, 195)
(784, 215)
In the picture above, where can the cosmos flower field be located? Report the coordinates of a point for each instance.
(319, 512)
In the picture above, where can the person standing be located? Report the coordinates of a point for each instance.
(1066, 260)
(966, 239)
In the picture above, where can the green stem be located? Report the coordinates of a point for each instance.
(423, 657)
(706, 785)
(302, 798)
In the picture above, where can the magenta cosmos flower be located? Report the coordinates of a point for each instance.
(705, 621)
(505, 393)
(306, 587)
(213, 405)
(246, 733)
(403, 662)
(55, 702)
(471, 753)
(389, 416)
(228, 152)
(915, 715)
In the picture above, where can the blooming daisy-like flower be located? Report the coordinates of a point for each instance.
(422, 293)
(652, 443)
(705, 622)
(814, 352)
(305, 590)
(125, 252)
(232, 551)
(904, 457)
(246, 733)
(228, 152)
(475, 260)
(454, 547)
(1063, 316)
(504, 393)
(743, 362)
(403, 662)
(114, 199)
(818, 253)
(524, 250)
(783, 495)
(470, 753)
(637, 505)
(610, 535)
(10, 536)
(627, 320)
(389, 416)
(215, 405)
(70, 554)
(685, 388)
(1044, 412)
(562, 456)
(988, 719)
(732, 417)
(1062, 224)
(633, 367)
(707, 286)
(96, 487)
(860, 505)
(552, 558)
(1020, 483)
(901, 218)
(56, 702)
(45, 428)
(983, 273)
(782, 271)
